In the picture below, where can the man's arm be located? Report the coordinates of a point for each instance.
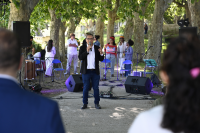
(72, 45)
(82, 53)
(101, 57)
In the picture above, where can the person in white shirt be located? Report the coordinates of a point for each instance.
(72, 53)
(180, 71)
(90, 55)
(49, 57)
(120, 53)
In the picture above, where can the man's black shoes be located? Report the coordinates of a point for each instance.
(97, 106)
(84, 106)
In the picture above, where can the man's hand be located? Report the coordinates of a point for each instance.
(100, 50)
(88, 48)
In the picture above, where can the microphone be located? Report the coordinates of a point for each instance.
(90, 45)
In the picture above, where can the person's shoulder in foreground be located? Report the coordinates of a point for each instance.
(27, 112)
(149, 122)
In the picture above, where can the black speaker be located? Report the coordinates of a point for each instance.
(22, 30)
(138, 85)
(190, 30)
(74, 83)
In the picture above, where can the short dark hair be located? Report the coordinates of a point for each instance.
(31, 37)
(10, 52)
(130, 42)
(89, 34)
(97, 36)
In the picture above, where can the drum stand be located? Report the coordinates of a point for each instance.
(20, 82)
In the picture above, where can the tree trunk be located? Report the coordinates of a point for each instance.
(73, 24)
(54, 32)
(111, 24)
(138, 37)
(195, 17)
(21, 14)
(188, 13)
(62, 41)
(155, 33)
(100, 30)
(112, 14)
(128, 30)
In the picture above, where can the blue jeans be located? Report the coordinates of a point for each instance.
(127, 66)
(112, 58)
(91, 75)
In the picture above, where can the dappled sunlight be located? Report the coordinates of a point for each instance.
(136, 110)
(121, 112)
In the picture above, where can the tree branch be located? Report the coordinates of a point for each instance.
(116, 6)
(178, 4)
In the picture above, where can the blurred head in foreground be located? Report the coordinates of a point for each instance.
(10, 54)
(181, 72)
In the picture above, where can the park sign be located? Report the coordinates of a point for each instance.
(3, 4)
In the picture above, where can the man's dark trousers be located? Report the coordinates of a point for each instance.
(90, 75)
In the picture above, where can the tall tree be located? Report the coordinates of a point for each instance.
(62, 40)
(112, 14)
(194, 7)
(139, 30)
(128, 30)
(100, 22)
(21, 11)
(73, 23)
(185, 5)
(155, 32)
(54, 31)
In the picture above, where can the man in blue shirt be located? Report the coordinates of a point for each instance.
(96, 38)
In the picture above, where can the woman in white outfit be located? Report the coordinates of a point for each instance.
(49, 57)
(120, 53)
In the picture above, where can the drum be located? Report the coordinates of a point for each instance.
(138, 73)
(29, 70)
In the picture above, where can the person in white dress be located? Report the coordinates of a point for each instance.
(49, 57)
(120, 53)
(180, 112)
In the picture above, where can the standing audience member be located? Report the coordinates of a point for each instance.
(111, 53)
(128, 55)
(96, 38)
(72, 53)
(22, 111)
(121, 50)
(180, 113)
(49, 57)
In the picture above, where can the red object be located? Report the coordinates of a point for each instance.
(111, 47)
(112, 38)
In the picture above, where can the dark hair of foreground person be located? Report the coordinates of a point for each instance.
(182, 101)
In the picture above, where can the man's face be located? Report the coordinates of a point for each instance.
(72, 37)
(89, 39)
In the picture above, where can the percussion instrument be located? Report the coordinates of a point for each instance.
(29, 70)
